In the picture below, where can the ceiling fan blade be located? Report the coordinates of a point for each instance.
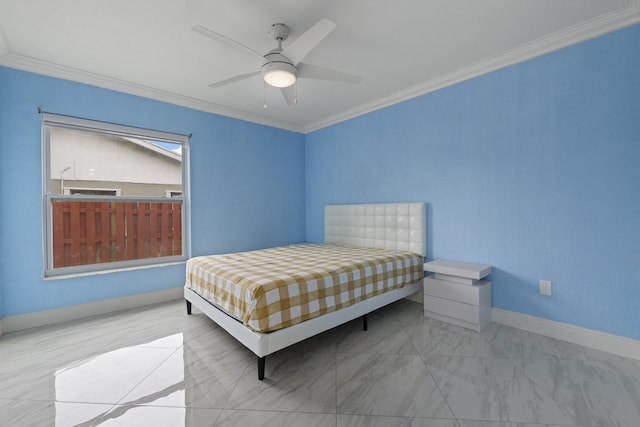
(226, 40)
(4, 46)
(314, 72)
(289, 94)
(298, 49)
(233, 80)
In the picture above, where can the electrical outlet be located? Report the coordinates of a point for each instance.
(545, 287)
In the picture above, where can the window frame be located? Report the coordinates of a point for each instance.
(50, 120)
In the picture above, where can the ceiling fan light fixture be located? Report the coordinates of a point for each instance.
(279, 74)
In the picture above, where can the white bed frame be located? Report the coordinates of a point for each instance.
(399, 226)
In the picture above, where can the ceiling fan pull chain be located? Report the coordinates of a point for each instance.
(264, 94)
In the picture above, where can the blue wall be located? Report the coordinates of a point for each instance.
(534, 169)
(247, 187)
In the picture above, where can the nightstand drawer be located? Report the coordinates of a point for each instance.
(458, 310)
(468, 316)
(479, 295)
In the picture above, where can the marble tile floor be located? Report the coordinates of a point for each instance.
(156, 366)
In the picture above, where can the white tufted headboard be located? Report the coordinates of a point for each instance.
(399, 226)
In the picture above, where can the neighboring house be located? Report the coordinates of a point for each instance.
(110, 165)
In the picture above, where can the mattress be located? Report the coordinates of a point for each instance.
(274, 288)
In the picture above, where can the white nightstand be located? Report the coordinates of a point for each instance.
(456, 293)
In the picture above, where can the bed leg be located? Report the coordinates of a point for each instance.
(365, 327)
(188, 306)
(261, 361)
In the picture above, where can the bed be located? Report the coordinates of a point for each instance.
(270, 299)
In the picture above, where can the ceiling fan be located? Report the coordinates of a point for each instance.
(282, 67)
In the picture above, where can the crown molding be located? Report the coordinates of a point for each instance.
(26, 63)
(589, 29)
(583, 31)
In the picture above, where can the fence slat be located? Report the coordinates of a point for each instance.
(118, 230)
(58, 234)
(76, 234)
(177, 229)
(105, 232)
(90, 213)
(153, 230)
(131, 242)
(166, 236)
(143, 230)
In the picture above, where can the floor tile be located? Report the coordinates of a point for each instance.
(235, 418)
(157, 366)
(108, 377)
(433, 337)
(201, 378)
(86, 333)
(394, 385)
(48, 374)
(19, 413)
(293, 382)
(547, 391)
(162, 327)
(27, 412)
(127, 328)
(509, 342)
(157, 416)
(78, 414)
(384, 336)
(201, 332)
(502, 424)
(380, 421)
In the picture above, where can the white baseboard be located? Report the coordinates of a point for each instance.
(48, 317)
(610, 343)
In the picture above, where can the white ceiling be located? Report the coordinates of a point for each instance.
(402, 48)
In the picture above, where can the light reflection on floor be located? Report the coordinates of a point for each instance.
(105, 378)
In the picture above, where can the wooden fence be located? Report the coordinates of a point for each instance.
(97, 232)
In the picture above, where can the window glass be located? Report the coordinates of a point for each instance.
(114, 195)
(82, 160)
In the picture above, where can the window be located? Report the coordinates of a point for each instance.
(93, 191)
(114, 196)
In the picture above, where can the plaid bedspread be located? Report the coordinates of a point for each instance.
(275, 288)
